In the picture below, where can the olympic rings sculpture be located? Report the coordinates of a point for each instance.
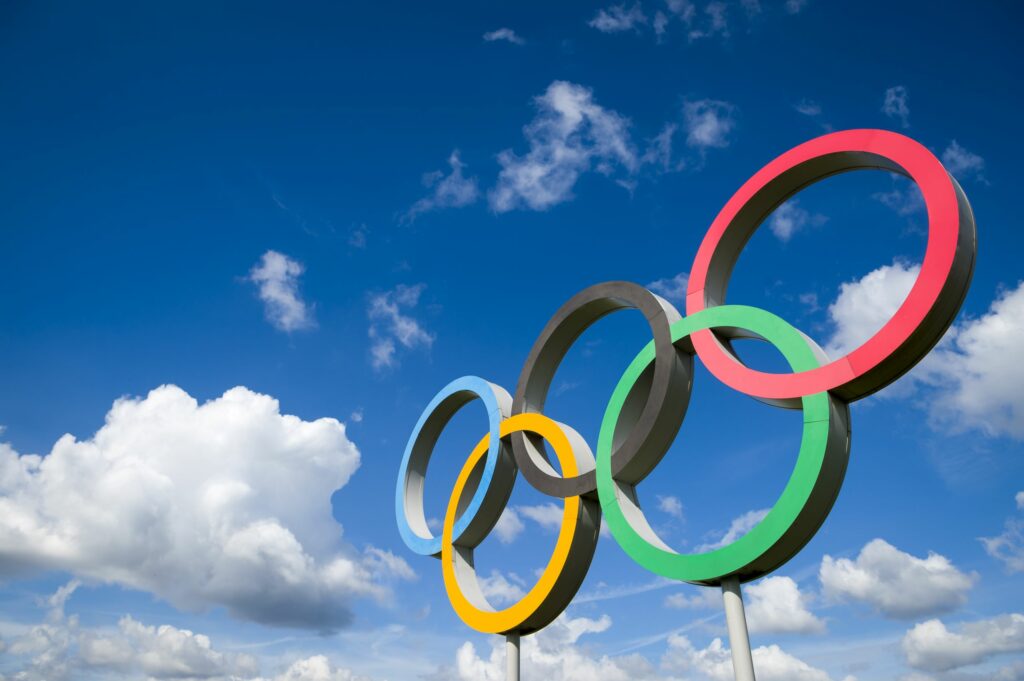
(649, 403)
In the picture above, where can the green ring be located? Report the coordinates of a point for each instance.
(801, 508)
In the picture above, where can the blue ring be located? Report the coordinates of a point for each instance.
(485, 392)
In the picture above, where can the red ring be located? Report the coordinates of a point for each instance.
(922, 318)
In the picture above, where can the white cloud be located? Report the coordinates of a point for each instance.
(864, 305)
(315, 668)
(708, 123)
(225, 504)
(61, 649)
(670, 505)
(277, 277)
(548, 516)
(1008, 547)
(391, 327)
(808, 107)
(974, 382)
(776, 606)
(659, 149)
(737, 528)
(660, 23)
(617, 18)
(895, 583)
(980, 379)
(716, 22)
(570, 134)
(895, 104)
(672, 288)
(795, 6)
(790, 218)
(704, 598)
(904, 198)
(506, 34)
(932, 647)
(453, 190)
(554, 654)
(501, 590)
(509, 526)
(163, 652)
(962, 163)
(714, 663)
(684, 9)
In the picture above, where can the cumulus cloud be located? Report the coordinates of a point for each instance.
(709, 122)
(714, 663)
(453, 190)
(776, 606)
(555, 655)
(963, 164)
(61, 649)
(932, 647)
(672, 288)
(570, 135)
(618, 18)
(225, 503)
(790, 218)
(506, 34)
(163, 652)
(737, 528)
(391, 326)
(895, 583)
(1008, 547)
(973, 379)
(277, 278)
(896, 105)
(978, 378)
(864, 305)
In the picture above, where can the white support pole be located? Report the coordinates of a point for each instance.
(736, 621)
(512, 656)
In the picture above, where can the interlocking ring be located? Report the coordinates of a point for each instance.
(649, 402)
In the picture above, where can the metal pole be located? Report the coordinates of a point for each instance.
(512, 656)
(736, 621)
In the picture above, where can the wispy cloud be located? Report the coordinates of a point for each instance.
(962, 163)
(896, 104)
(277, 279)
(506, 34)
(391, 326)
(709, 122)
(808, 107)
(570, 135)
(618, 18)
(790, 218)
(453, 190)
(672, 289)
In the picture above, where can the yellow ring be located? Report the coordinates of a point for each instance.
(517, 617)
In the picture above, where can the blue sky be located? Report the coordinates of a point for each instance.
(243, 246)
